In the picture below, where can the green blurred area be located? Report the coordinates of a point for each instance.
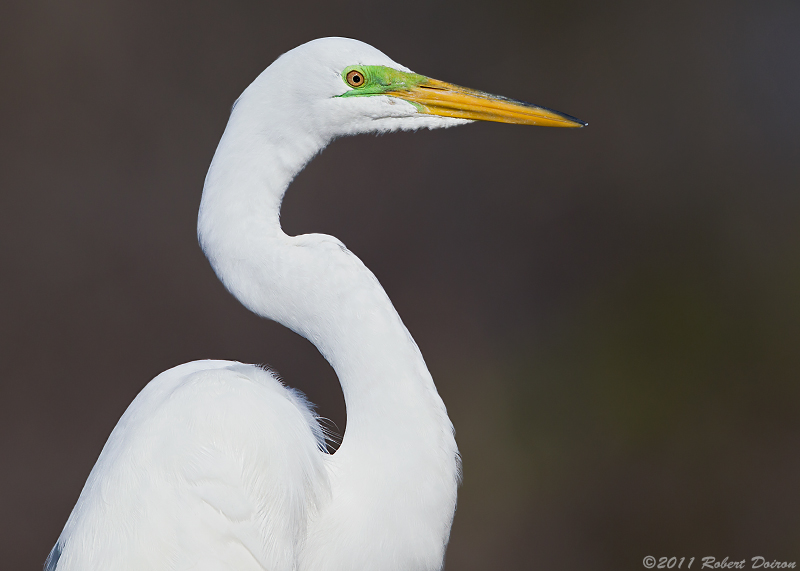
(667, 397)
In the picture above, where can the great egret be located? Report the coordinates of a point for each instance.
(216, 465)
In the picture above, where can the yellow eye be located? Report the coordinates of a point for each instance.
(355, 78)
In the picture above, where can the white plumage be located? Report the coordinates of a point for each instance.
(217, 465)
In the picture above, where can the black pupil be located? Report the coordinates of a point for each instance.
(356, 78)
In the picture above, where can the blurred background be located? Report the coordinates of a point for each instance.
(612, 315)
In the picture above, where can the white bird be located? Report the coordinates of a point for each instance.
(217, 465)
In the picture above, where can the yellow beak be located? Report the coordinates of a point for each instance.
(436, 97)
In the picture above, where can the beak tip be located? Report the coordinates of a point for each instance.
(577, 123)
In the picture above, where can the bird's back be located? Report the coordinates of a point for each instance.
(215, 465)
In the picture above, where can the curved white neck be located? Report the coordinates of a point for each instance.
(398, 452)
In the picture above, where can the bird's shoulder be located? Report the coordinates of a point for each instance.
(217, 460)
(191, 404)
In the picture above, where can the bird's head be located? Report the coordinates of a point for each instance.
(317, 92)
(337, 86)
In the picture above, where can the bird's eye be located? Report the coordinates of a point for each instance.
(355, 78)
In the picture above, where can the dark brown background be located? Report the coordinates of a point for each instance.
(612, 315)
